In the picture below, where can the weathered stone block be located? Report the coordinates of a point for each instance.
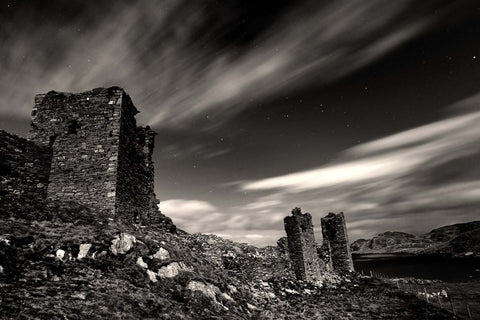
(301, 246)
(334, 231)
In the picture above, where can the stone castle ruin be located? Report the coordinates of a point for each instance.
(84, 148)
(308, 260)
(302, 247)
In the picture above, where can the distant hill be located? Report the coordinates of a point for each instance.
(462, 239)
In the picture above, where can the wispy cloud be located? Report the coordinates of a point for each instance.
(239, 224)
(177, 75)
(412, 181)
(197, 150)
(386, 158)
(426, 176)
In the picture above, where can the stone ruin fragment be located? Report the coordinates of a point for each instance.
(308, 259)
(334, 231)
(83, 148)
(302, 247)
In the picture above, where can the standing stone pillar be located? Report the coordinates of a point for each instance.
(301, 246)
(334, 231)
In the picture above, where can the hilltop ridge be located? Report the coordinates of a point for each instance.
(456, 240)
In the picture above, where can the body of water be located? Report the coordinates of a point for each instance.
(402, 265)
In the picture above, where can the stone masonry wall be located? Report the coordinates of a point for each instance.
(136, 200)
(334, 231)
(100, 158)
(301, 246)
(24, 171)
(83, 130)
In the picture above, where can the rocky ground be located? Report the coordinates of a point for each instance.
(64, 268)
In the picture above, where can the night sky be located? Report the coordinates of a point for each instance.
(367, 107)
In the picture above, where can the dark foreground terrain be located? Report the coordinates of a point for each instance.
(65, 268)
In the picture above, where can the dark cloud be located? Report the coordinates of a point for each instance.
(184, 60)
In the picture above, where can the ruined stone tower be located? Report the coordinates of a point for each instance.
(334, 231)
(301, 246)
(100, 158)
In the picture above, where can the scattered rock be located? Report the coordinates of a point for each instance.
(152, 275)
(80, 295)
(232, 289)
(83, 250)
(5, 239)
(122, 243)
(142, 263)
(208, 289)
(291, 291)
(227, 297)
(173, 269)
(101, 254)
(60, 254)
(251, 307)
(161, 254)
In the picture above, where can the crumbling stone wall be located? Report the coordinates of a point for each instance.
(24, 172)
(301, 246)
(100, 158)
(334, 231)
(324, 254)
(136, 200)
(83, 130)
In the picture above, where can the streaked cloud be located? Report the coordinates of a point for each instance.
(177, 75)
(420, 178)
(386, 158)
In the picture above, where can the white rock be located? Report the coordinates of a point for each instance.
(1, 269)
(60, 254)
(5, 239)
(152, 275)
(227, 297)
(83, 250)
(251, 306)
(142, 263)
(173, 269)
(80, 295)
(162, 254)
(208, 289)
(291, 291)
(122, 244)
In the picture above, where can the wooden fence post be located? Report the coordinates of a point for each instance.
(453, 308)
(439, 301)
(468, 312)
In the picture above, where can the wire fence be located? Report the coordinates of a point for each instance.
(434, 293)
